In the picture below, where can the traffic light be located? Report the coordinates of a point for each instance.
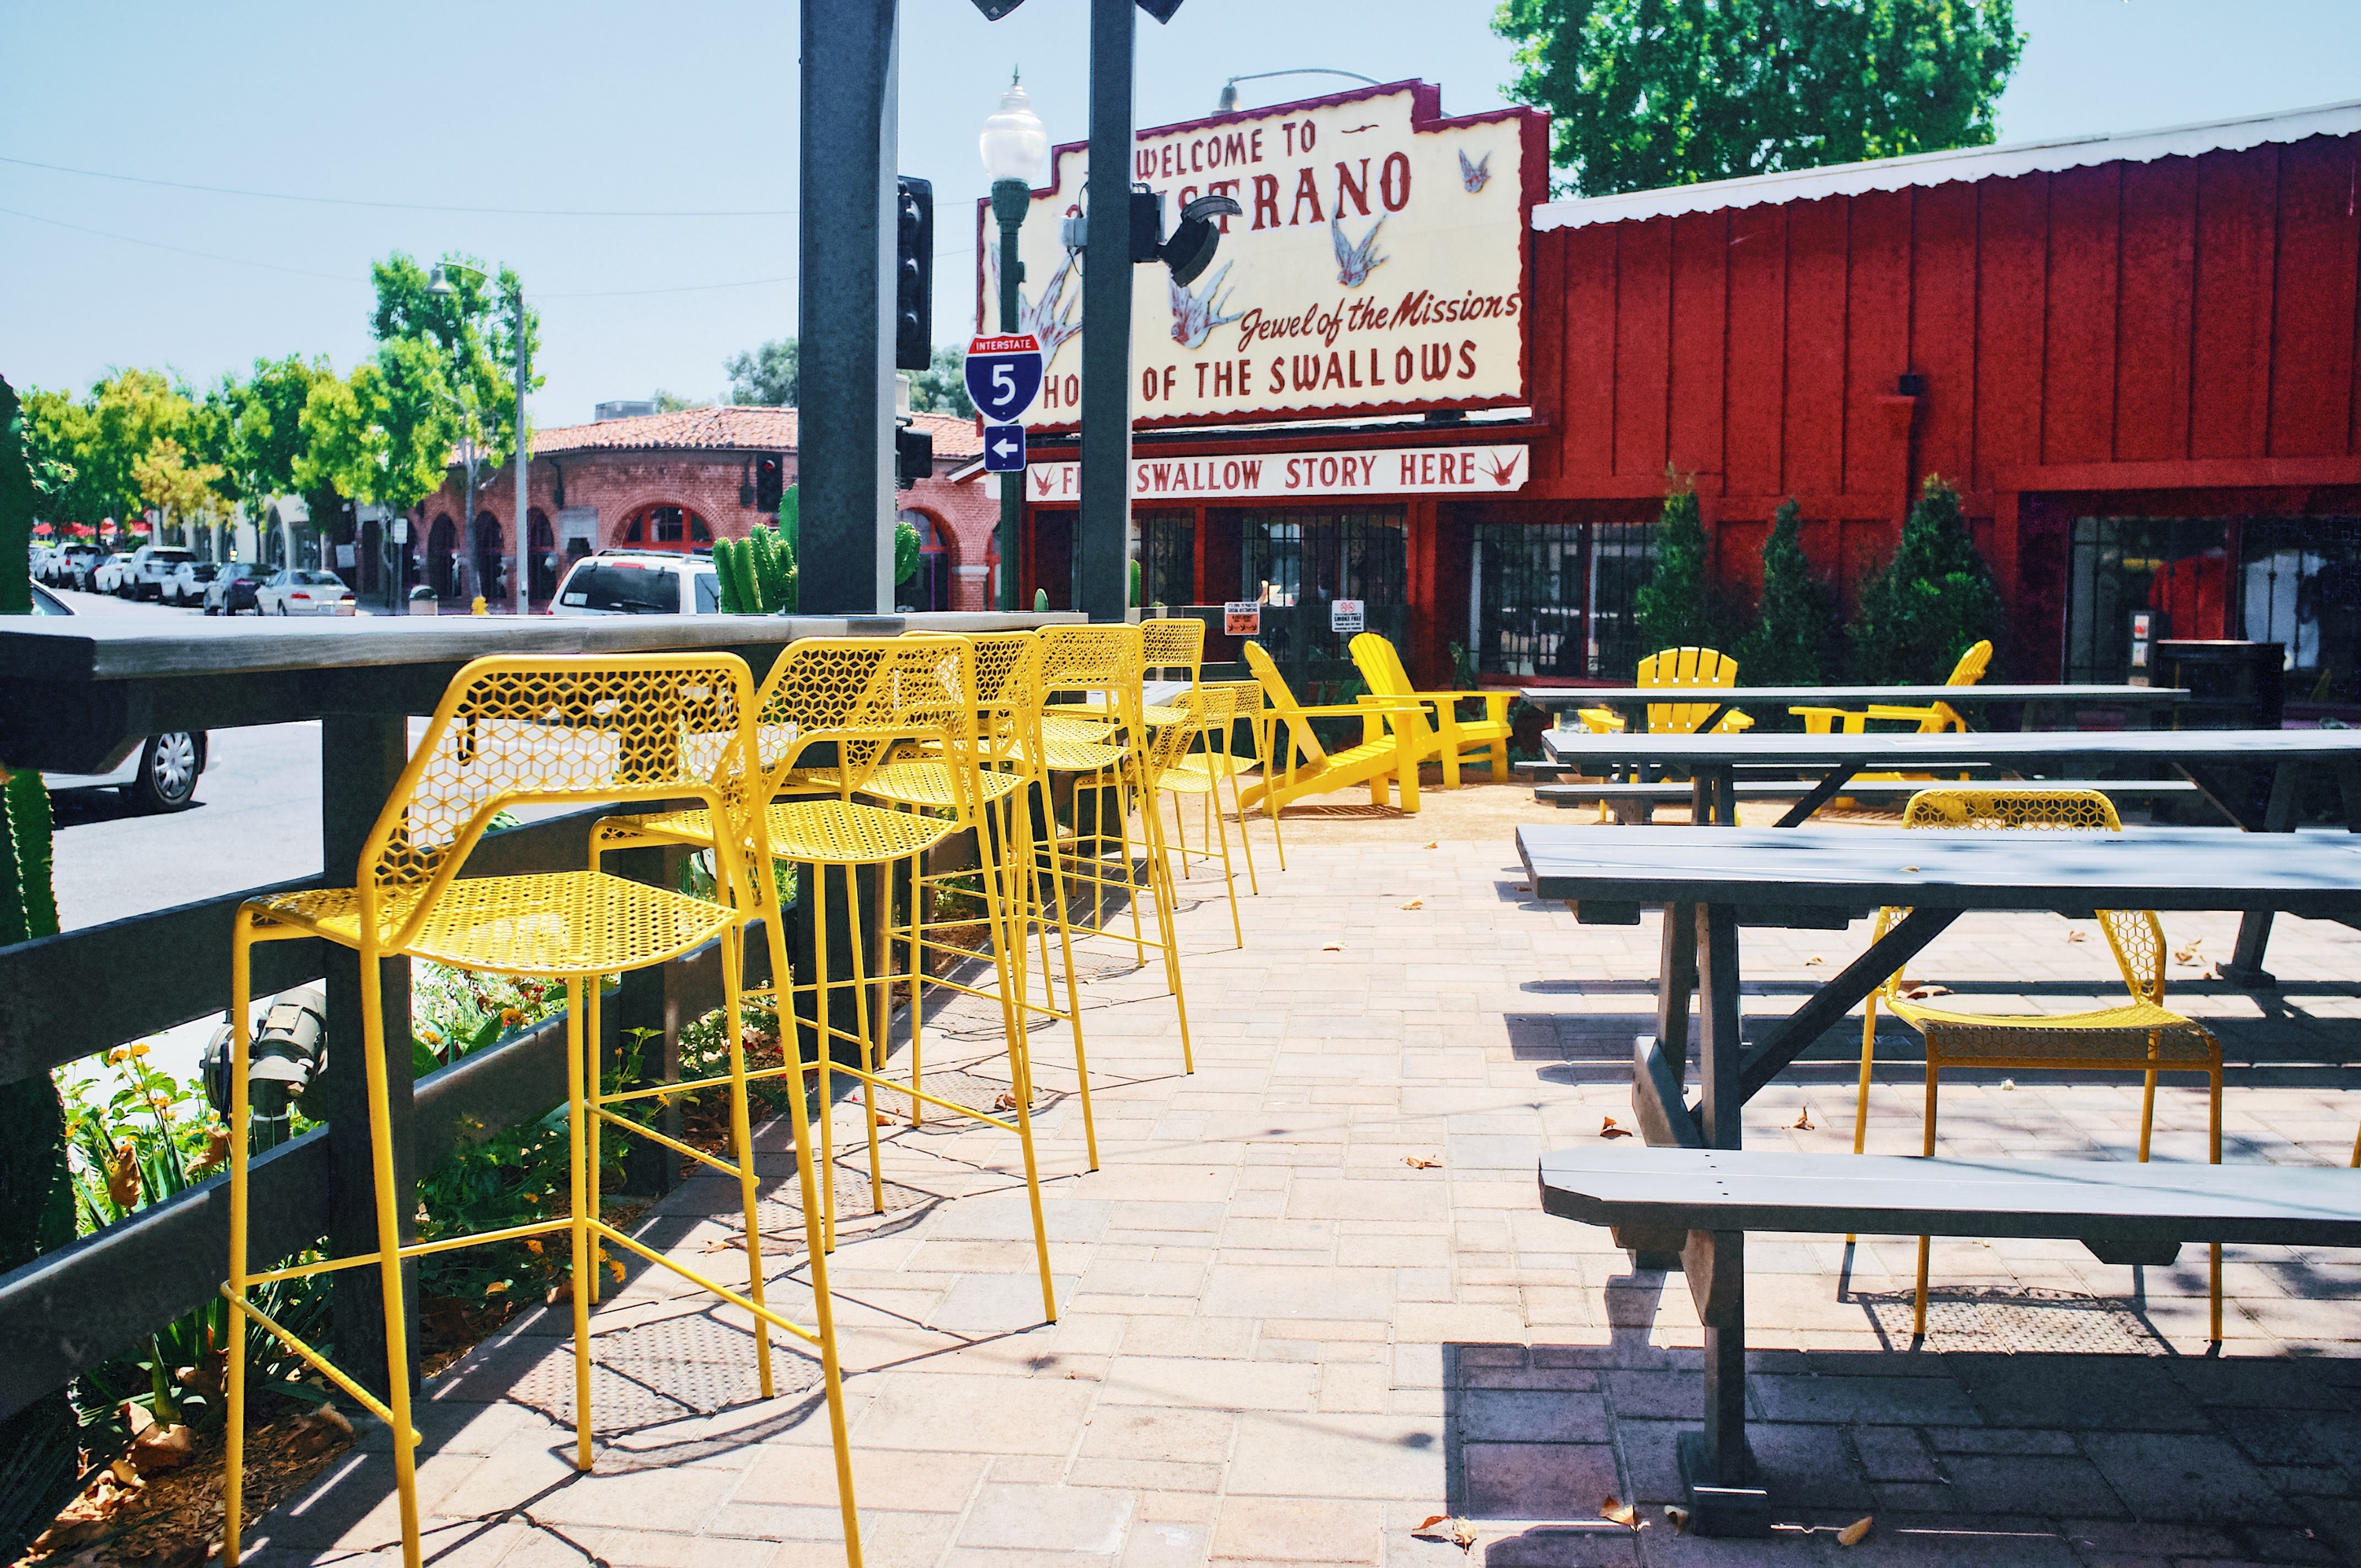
(770, 481)
(914, 456)
(914, 276)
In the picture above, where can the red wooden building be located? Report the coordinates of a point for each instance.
(2134, 355)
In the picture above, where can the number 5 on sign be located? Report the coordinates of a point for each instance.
(1004, 374)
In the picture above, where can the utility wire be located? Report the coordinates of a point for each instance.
(411, 206)
(177, 249)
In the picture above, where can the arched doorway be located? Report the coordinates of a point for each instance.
(665, 528)
(491, 559)
(441, 563)
(545, 559)
(929, 588)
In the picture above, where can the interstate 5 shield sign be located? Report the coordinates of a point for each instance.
(1004, 374)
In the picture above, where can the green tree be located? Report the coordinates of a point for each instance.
(673, 402)
(182, 488)
(265, 435)
(384, 434)
(473, 330)
(1797, 639)
(768, 376)
(941, 388)
(1651, 93)
(1933, 601)
(1680, 607)
(60, 432)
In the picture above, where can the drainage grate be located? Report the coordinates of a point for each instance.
(691, 1366)
(2018, 1320)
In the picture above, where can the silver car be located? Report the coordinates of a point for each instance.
(160, 773)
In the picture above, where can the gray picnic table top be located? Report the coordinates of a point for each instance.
(1739, 1190)
(1982, 696)
(1707, 878)
(1912, 751)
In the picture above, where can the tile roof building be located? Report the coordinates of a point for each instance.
(674, 481)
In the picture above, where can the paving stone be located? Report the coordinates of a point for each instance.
(2182, 1475)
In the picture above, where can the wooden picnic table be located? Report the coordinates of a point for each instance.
(2154, 703)
(2204, 757)
(1707, 878)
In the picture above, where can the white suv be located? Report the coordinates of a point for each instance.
(639, 581)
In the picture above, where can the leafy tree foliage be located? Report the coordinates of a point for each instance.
(1680, 607)
(1934, 600)
(1650, 92)
(941, 388)
(1797, 639)
(266, 427)
(765, 377)
(179, 485)
(384, 434)
(673, 402)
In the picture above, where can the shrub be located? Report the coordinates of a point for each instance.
(1797, 639)
(1680, 607)
(1934, 600)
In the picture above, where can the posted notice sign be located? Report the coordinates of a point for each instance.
(1242, 617)
(1435, 470)
(1345, 615)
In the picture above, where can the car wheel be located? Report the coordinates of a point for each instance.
(166, 780)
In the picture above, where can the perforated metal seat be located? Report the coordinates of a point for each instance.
(557, 925)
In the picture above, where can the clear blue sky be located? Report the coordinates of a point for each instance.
(593, 105)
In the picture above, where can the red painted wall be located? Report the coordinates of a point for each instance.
(2184, 329)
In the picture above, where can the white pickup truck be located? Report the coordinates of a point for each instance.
(150, 564)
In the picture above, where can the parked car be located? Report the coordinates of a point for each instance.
(110, 575)
(639, 581)
(159, 774)
(234, 587)
(186, 585)
(299, 592)
(71, 565)
(150, 564)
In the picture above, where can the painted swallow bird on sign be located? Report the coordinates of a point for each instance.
(1356, 262)
(1475, 176)
(1196, 313)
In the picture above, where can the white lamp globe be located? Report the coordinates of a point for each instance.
(1014, 142)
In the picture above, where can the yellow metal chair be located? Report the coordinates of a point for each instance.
(528, 731)
(1707, 667)
(1095, 731)
(1931, 720)
(1217, 760)
(861, 698)
(1449, 736)
(1300, 766)
(2143, 1036)
(1015, 789)
(1216, 709)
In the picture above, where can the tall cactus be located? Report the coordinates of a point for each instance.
(38, 1444)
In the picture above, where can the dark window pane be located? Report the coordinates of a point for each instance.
(634, 590)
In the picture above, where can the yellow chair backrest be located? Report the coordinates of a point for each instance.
(1381, 666)
(862, 696)
(2135, 935)
(1683, 668)
(1173, 642)
(1972, 665)
(524, 730)
(1274, 685)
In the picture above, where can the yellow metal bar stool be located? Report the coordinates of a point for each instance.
(861, 699)
(1100, 738)
(1176, 647)
(511, 732)
(1017, 793)
(1248, 708)
(1198, 771)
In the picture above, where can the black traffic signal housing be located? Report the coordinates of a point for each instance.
(770, 481)
(914, 456)
(914, 275)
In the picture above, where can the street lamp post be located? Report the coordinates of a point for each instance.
(1013, 144)
(438, 284)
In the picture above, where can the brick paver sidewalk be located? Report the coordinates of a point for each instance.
(1310, 1301)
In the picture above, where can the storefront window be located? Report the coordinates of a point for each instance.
(1554, 598)
(2295, 581)
(1302, 556)
(1167, 557)
(667, 528)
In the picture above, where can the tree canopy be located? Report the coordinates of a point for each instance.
(768, 376)
(1934, 600)
(941, 388)
(1651, 93)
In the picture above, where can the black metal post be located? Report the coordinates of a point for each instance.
(1009, 200)
(362, 758)
(1718, 1044)
(845, 307)
(1104, 524)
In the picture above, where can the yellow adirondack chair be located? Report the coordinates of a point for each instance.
(1678, 667)
(1931, 720)
(1301, 767)
(1448, 736)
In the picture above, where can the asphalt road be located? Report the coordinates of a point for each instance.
(256, 819)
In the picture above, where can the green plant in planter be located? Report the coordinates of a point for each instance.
(1934, 599)
(1798, 637)
(1680, 606)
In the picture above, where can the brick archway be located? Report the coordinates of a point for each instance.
(660, 522)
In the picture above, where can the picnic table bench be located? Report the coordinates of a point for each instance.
(1883, 793)
(2151, 705)
(1700, 1204)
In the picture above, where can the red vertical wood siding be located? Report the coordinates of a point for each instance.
(1644, 329)
(2311, 337)
(1755, 393)
(1815, 346)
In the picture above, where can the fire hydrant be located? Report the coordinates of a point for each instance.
(478, 608)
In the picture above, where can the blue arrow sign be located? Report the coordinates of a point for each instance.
(1004, 374)
(1004, 449)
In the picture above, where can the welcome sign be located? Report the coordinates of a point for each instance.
(1378, 265)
